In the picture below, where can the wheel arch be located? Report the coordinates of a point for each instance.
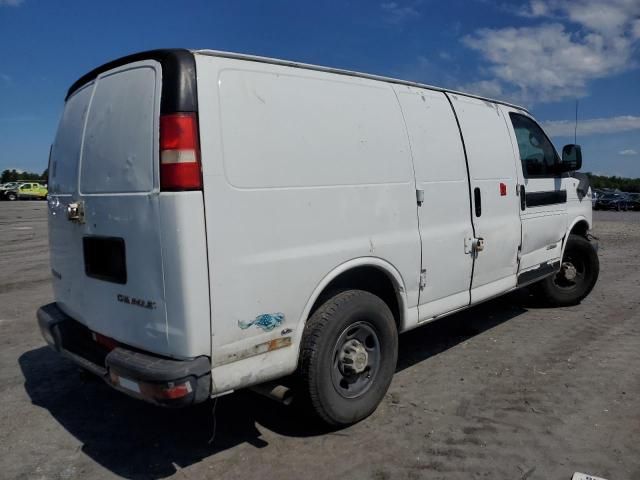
(579, 226)
(357, 273)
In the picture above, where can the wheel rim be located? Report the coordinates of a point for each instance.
(356, 360)
(572, 272)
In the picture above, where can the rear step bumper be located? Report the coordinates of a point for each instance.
(162, 381)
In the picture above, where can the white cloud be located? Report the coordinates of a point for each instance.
(535, 8)
(396, 13)
(628, 151)
(551, 61)
(611, 17)
(594, 126)
(10, 3)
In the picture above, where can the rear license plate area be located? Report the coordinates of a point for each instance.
(105, 258)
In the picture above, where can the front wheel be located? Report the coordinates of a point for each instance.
(577, 276)
(348, 356)
(12, 196)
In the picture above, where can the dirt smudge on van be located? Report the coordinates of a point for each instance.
(259, 349)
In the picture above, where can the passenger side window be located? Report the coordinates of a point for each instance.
(538, 157)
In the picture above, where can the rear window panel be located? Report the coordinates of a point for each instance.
(120, 143)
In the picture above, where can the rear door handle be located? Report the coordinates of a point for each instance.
(477, 200)
(523, 198)
(75, 212)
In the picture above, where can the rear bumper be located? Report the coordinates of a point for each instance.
(158, 380)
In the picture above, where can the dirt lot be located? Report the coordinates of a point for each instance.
(506, 390)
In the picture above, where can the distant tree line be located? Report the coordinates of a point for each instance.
(14, 176)
(620, 183)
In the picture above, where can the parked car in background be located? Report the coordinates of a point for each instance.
(612, 201)
(26, 191)
(9, 186)
(634, 201)
(6, 188)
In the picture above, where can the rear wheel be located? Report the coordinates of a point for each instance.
(12, 196)
(577, 276)
(348, 356)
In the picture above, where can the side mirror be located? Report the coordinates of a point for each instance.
(571, 158)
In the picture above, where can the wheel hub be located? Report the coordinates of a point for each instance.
(569, 271)
(354, 357)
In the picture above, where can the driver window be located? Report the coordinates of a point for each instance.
(537, 154)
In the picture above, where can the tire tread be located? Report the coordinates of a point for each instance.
(311, 342)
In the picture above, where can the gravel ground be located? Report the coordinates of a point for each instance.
(506, 390)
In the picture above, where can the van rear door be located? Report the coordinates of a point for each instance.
(104, 208)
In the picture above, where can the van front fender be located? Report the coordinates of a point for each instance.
(583, 225)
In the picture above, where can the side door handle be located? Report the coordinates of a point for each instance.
(523, 198)
(477, 201)
(473, 245)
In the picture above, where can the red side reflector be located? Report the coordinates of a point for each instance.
(503, 189)
(179, 152)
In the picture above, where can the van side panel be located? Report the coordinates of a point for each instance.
(186, 274)
(303, 171)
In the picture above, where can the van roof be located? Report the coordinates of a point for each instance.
(351, 73)
(178, 70)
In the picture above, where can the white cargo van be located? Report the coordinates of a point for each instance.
(218, 221)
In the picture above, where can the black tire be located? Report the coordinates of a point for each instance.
(11, 196)
(560, 290)
(338, 394)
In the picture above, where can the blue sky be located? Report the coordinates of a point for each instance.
(541, 53)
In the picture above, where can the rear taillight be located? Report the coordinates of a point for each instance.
(179, 152)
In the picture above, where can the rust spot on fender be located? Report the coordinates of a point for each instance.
(258, 349)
